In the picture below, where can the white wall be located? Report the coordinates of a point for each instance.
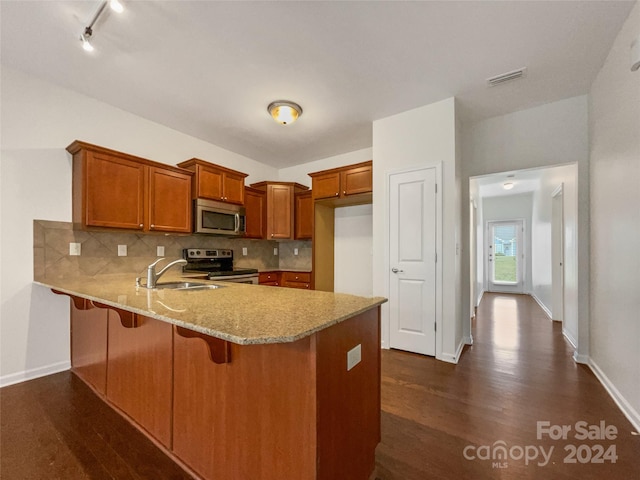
(39, 120)
(353, 249)
(541, 242)
(425, 136)
(299, 173)
(614, 106)
(548, 135)
(511, 207)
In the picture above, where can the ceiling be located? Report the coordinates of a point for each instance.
(209, 68)
(524, 181)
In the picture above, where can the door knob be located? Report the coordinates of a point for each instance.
(395, 270)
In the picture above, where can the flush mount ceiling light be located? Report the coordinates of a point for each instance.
(284, 112)
(507, 185)
(86, 35)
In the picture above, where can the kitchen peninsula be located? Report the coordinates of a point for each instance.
(238, 382)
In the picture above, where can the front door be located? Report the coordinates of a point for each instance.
(412, 261)
(505, 252)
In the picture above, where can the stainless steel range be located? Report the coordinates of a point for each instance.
(217, 263)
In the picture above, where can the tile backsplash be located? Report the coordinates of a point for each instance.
(99, 251)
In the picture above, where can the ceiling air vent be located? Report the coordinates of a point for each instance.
(507, 77)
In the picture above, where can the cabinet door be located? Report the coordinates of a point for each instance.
(254, 202)
(139, 372)
(169, 201)
(357, 180)
(114, 189)
(89, 343)
(269, 278)
(326, 185)
(234, 188)
(279, 212)
(304, 216)
(209, 183)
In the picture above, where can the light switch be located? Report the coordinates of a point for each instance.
(160, 251)
(244, 251)
(295, 251)
(75, 248)
(354, 356)
(275, 251)
(122, 250)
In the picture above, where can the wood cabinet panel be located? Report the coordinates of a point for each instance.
(254, 417)
(139, 373)
(326, 185)
(89, 343)
(303, 215)
(234, 188)
(113, 192)
(357, 180)
(209, 183)
(296, 276)
(215, 182)
(269, 278)
(255, 206)
(279, 211)
(169, 201)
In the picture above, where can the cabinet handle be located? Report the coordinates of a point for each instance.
(337, 193)
(344, 193)
(141, 225)
(152, 226)
(272, 235)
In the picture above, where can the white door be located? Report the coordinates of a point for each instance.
(412, 261)
(505, 256)
(557, 257)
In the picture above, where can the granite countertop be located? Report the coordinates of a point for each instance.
(240, 313)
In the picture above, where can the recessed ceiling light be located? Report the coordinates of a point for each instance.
(284, 112)
(116, 6)
(507, 185)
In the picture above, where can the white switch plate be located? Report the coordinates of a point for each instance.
(354, 356)
(295, 251)
(244, 251)
(75, 248)
(160, 251)
(275, 251)
(122, 250)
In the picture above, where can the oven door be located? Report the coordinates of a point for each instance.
(250, 278)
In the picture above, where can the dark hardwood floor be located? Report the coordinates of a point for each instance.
(519, 371)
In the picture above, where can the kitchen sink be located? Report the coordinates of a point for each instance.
(186, 286)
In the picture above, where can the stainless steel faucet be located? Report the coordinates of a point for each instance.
(153, 277)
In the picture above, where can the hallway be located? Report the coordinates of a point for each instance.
(518, 372)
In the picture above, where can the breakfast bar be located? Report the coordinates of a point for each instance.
(236, 382)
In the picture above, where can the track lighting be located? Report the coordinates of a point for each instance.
(85, 37)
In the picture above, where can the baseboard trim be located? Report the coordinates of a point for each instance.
(570, 338)
(453, 358)
(632, 415)
(584, 359)
(26, 375)
(542, 305)
(468, 340)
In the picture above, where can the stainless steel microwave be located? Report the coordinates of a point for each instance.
(218, 218)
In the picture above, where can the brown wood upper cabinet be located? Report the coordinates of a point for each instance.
(215, 182)
(254, 203)
(280, 208)
(343, 182)
(115, 190)
(304, 215)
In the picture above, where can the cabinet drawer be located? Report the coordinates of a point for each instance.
(296, 277)
(269, 278)
(303, 285)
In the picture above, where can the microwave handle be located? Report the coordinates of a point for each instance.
(237, 223)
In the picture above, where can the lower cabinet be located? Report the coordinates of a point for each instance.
(89, 343)
(140, 371)
(286, 279)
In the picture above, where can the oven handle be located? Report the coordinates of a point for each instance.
(237, 223)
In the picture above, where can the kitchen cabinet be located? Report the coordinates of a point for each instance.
(89, 343)
(255, 207)
(269, 278)
(139, 371)
(215, 182)
(296, 280)
(114, 190)
(280, 208)
(343, 182)
(303, 215)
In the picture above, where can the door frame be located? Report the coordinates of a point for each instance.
(522, 248)
(557, 275)
(386, 260)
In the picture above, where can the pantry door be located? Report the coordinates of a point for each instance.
(412, 260)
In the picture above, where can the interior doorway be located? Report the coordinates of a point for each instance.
(557, 254)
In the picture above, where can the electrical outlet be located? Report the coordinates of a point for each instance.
(244, 251)
(122, 250)
(275, 250)
(75, 248)
(160, 251)
(295, 251)
(354, 356)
